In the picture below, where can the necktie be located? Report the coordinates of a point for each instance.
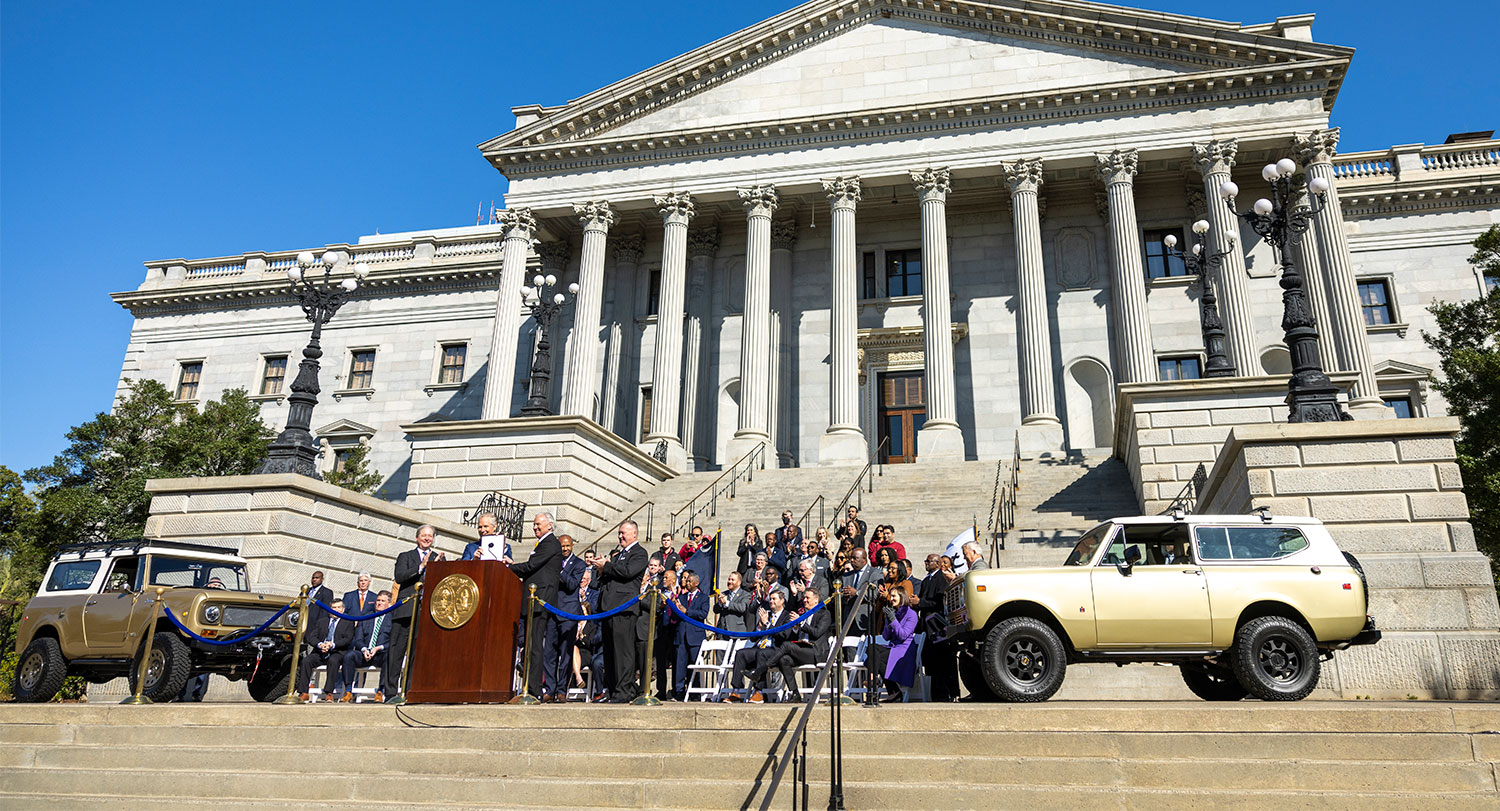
(332, 623)
(375, 632)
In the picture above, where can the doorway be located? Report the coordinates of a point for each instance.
(903, 410)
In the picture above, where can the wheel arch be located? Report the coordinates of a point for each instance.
(1270, 607)
(1034, 610)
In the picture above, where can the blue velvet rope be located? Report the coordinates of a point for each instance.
(581, 617)
(744, 634)
(241, 638)
(342, 615)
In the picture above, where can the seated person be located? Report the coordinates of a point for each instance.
(893, 656)
(371, 640)
(329, 642)
(749, 658)
(809, 645)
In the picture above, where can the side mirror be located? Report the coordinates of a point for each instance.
(1132, 557)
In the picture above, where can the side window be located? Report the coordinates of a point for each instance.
(1249, 543)
(125, 576)
(73, 576)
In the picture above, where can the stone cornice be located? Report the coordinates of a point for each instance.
(531, 425)
(1192, 42)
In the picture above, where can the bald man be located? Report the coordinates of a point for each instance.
(542, 570)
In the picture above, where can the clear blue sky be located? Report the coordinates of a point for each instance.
(151, 130)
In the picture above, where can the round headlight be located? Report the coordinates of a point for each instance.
(291, 617)
(212, 614)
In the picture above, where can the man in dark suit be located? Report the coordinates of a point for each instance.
(809, 645)
(316, 616)
(329, 638)
(688, 638)
(542, 570)
(588, 636)
(748, 659)
(361, 600)
(562, 634)
(411, 569)
(619, 583)
(372, 638)
(937, 658)
(489, 526)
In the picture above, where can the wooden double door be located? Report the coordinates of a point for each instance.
(903, 410)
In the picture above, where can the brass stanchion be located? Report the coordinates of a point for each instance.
(292, 693)
(648, 663)
(526, 697)
(150, 637)
(411, 632)
(838, 640)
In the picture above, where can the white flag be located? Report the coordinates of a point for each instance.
(955, 550)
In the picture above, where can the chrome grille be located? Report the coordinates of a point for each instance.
(246, 615)
(954, 605)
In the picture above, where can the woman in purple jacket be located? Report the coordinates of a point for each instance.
(893, 654)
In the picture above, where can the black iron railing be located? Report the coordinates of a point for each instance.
(645, 528)
(1003, 502)
(509, 512)
(706, 503)
(818, 504)
(1187, 498)
(856, 491)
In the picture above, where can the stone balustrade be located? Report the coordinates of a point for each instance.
(1417, 162)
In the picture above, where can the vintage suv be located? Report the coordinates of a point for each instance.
(91, 614)
(1241, 604)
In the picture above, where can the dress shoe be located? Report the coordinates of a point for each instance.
(733, 698)
(600, 698)
(757, 698)
(327, 698)
(347, 699)
(305, 698)
(391, 700)
(379, 697)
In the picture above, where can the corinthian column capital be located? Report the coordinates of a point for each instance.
(783, 235)
(554, 255)
(1318, 146)
(1119, 166)
(595, 215)
(1023, 175)
(676, 206)
(628, 249)
(843, 192)
(703, 242)
(1216, 156)
(932, 184)
(760, 201)
(517, 222)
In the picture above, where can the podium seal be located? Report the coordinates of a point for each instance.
(454, 601)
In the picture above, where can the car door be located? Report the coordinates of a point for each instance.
(107, 615)
(1151, 604)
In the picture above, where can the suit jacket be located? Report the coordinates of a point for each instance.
(747, 551)
(354, 608)
(738, 611)
(780, 636)
(473, 549)
(696, 607)
(593, 636)
(317, 617)
(343, 634)
(930, 596)
(620, 578)
(816, 630)
(408, 573)
(542, 569)
(364, 629)
(819, 582)
(568, 580)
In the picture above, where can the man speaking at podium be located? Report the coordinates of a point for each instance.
(542, 570)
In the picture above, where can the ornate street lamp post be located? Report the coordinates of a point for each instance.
(1203, 265)
(543, 310)
(295, 450)
(1311, 396)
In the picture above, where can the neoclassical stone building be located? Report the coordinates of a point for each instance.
(899, 224)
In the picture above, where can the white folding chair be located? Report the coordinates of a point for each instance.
(361, 688)
(856, 675)
(708, 675)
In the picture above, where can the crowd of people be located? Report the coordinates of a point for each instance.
(598, 617)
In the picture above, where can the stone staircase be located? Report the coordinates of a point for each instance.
(1162, 755)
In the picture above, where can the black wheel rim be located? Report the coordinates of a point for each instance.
(1279, 660)
(31, 671)
(155, 667)
(1025, 661)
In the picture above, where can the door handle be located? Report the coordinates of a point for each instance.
(1192, 571)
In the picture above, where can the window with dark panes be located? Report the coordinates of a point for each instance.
(187, 381)
(1160, 264)
(1375, 300)
(73, 576)
(1249, 543)
(1184, 368)
(362, 369)
(645, 411)
(903, 273)
(868, 288)
(341, 458)
(653, 296)
(1401, 405)
(274, 376)
(453, 363)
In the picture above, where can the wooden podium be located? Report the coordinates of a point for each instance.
(465, 651)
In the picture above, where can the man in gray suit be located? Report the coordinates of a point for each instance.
(864, 574)
(735, 606)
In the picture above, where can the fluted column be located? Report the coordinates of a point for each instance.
(677, 209)
(843, 441)
(702, 244)
(1305, 254)
(500, 377)
(1040, 428)
(783, 238)
(755, 337)
(1316, 150)
(940, 438)
(583, 348)
(622, 337)
(1132, 321)
(1215, 159)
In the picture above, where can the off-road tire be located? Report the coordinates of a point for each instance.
(173, 671)
(1212, 683)
(1275, 659)
(971, 673)
(40, 671)
(1023, 660)
(270, 681)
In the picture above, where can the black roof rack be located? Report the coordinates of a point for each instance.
(135, 545)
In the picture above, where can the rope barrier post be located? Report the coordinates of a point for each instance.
(411, 632)
(526, 697)
(292, 696)
(839, 697)
(648, 663)
(140, 677)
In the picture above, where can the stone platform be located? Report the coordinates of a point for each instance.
(1061, 754)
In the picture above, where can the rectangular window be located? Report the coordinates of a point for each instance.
(274, 376)
(1401, 405)
(1184, 368)
(187, 380)
(645, 411)
(341, 458)
(1159, 264)
(868, 289)
(653, 296)
(1375, 300)
(452, 370)
(903, 273)
(73, 576)
(362, 369)
(1249, 543)
(1491, 281)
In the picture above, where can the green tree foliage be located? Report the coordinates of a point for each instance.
(357, 474)
(1468, 345)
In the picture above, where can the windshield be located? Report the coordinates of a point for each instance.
(201, 574)
(1084, 550)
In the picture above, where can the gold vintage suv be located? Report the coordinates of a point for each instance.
(1241, 604)
(91, 613)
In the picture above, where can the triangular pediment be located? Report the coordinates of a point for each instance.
(843, 57)
(344, 428)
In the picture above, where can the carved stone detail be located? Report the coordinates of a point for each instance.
(760, 201)
(1076, 268)
(678, 205)
(1318, 146)
(628, 249)
(1216, 156)
(703, 242)
(519, 223)
(1119, 166)
(1023, 175)
(932, 184)
(554, 255)
(595, 214)
(843, 192)
(783, 235)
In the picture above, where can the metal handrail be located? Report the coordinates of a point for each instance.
(875, 459)
(649, 507)
(799, 734)
(822, 514)
(712, 504)
(1187, 497)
